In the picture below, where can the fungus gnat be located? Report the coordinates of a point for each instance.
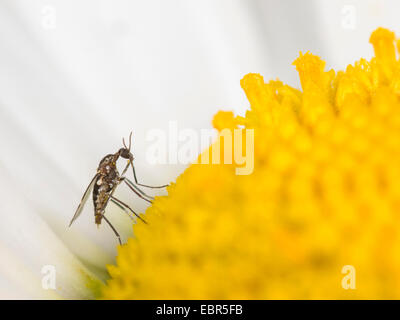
(104, 184)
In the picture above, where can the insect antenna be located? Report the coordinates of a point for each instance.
(123, 142)
(130, 142)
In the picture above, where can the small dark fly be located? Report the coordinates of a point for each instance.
(104, 184)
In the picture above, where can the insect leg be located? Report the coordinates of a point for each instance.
(122, 208)
(126, 168)
(144, 185)
(138, 189)
(112, 227)
(123, 204)
(134, 190)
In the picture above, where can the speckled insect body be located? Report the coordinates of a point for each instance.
(105, 182)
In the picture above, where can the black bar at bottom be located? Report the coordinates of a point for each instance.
(197, 309)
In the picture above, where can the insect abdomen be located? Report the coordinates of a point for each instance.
(97, 218)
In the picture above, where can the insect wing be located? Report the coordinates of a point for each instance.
(84, 199)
